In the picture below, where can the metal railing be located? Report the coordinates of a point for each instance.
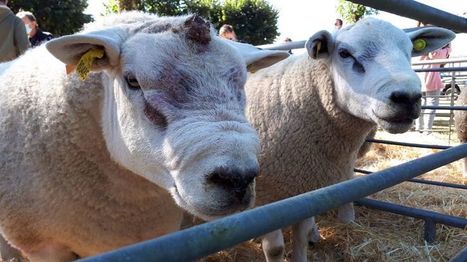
(420, 12)
(202, 240)
(439, 61)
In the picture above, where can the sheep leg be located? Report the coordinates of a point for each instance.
(465, 167)
(300, 236)
(273, 246)
(8, 252)
(52, 253)
(346, 213)
(313, 235)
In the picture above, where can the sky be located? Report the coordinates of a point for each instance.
(299, 19)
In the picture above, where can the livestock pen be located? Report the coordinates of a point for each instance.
(208, 238)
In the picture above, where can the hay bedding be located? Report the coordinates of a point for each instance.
(381, 236)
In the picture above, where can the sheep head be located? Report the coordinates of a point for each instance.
(371, 68)
(173, 107)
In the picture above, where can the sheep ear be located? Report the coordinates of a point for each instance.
(88, 51)
(320, 45)
(429, 38)
(257, 58)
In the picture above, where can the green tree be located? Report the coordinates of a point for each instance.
(60, 17)
(163, 7)
(351, 12)
(209, 9)
(128, 4)
(254, 21)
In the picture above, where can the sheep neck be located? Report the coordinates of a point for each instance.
(348, 131)
(307, 141)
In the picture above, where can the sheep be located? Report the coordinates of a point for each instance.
(460, 118)
(157, 126)
(313, 112)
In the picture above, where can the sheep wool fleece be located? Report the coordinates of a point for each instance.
(52, 121)
(307, 140)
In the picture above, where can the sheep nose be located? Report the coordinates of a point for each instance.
(232, 179)
(404, 98)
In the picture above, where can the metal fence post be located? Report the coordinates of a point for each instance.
(429, 230)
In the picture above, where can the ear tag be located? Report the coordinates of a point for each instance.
(85, 62)
(251, 69)
(419, 44)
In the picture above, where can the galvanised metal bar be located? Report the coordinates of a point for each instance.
(297, 45)
(429, 217)
(429, 230)
(460, 257)
(442, 69)
(284, 46)
(420, 12)
(421, 181)
(445, 107)
(448, 220)
(205, 239)
(389, 142)
(440, 61)
(451, 112)
(436, 183)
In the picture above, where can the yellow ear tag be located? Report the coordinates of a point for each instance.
(85, 62)
(419, 44)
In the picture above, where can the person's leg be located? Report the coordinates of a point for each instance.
(433, 100)
(419, 124)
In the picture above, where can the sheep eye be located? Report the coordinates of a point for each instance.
(132, 82)
(344, 53)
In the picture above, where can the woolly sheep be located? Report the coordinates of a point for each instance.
(89, 166)
(313, 112)
(460, 119)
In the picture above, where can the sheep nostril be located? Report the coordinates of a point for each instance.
(404, 98)
(232, 179)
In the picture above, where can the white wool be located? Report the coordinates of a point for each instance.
(90, 166)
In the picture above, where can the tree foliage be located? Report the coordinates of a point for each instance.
(351, 12)
(254, 21)
(60, 17)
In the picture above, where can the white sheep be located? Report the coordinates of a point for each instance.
(313, 112)
(159, 124)
(460, 120)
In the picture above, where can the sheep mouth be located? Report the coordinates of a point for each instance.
(209, 213)
(395, 126)
(398, 121)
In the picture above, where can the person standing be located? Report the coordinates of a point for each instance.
(431, 89)
(13, 37)
(288, 40)
(36, 35)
